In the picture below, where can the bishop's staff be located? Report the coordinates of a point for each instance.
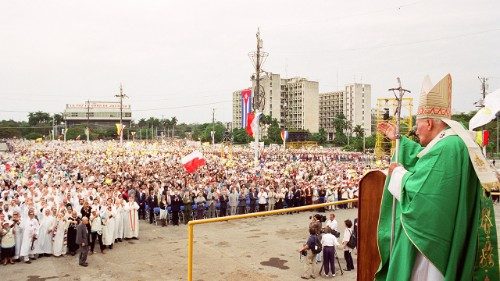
(398, 93)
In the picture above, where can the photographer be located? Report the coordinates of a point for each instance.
(329, 242)
(347, 250)
(315, 223)
(306, 250)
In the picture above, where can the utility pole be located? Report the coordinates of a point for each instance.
(87, 131)
(213, 126)
(121, 96)
(53, 128)
(258, 58)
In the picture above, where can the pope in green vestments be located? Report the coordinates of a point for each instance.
(444, 224)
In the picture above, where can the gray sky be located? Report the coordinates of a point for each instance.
(171, 55)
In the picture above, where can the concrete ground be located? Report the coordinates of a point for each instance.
(253, 249)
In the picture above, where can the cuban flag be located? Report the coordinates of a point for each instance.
(284, 135)
(246, 106)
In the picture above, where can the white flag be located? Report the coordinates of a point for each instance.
(488, 112)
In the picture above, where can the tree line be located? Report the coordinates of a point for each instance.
(40, 125)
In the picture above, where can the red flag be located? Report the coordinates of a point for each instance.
(252, 124)
(486, 137)
(193, 161)
(250, 117)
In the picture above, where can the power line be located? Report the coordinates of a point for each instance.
(183, 106)
(399, 44)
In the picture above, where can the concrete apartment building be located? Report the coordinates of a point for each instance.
(237, 109)
(354, 102)
(297, 105)
(293, 102)
(330, 105)
(300, 101)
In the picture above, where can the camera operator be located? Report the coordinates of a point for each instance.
(329, 242)
(315, 223)
(306, 250)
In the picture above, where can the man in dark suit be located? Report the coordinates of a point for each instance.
(253, 199)
(141, 200)
(152, 203)
(176, 202)
(82, 238)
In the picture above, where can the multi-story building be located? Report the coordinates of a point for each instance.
(331, 104)
(237, 108)
(300, 101)
(354, 102)
(297, 105)
(358, 106)
(97, 113)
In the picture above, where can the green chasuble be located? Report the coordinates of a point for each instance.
(439, 215)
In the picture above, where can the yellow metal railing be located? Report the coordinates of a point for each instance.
(191, 224)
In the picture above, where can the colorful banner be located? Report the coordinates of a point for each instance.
(246, 106)
(119, 129)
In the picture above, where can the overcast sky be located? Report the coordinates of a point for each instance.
(183, 58)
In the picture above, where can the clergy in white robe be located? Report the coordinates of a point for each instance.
(132, 219)
(119, 220)
(59, 246)
(30, 228)
(45, 234)
(108, 230)
(18, 233)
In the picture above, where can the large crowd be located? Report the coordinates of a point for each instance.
(47, 188)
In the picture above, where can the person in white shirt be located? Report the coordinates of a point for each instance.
(329, 242)
(345, 239)
(262, 199)
(332, 222)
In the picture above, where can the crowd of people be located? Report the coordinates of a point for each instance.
(48, 188)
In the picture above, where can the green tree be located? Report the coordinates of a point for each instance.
(173, 122)
(319, 137)
(358, 131)
(35, 118)
(206, 135)
(240, 136)
(273, 132)
(340, 124)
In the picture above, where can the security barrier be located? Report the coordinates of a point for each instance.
(191, 224)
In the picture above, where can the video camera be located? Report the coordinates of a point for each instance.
(319, 217)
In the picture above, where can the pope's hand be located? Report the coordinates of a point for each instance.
(392, 167)
(388, 129)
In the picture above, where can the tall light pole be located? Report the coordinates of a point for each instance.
(121, 96)
(258, 58)
(212, 133)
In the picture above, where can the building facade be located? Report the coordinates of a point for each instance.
(331, 104)
(358, 106)
(277, 92)
(97, 114)
(237, 110)
(300, 103)
(297, 105)
(354, 102)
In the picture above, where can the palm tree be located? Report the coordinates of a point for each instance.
(358, 130)
(173, 122)
(166, 124)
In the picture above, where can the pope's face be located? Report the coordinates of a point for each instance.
(424, 131)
